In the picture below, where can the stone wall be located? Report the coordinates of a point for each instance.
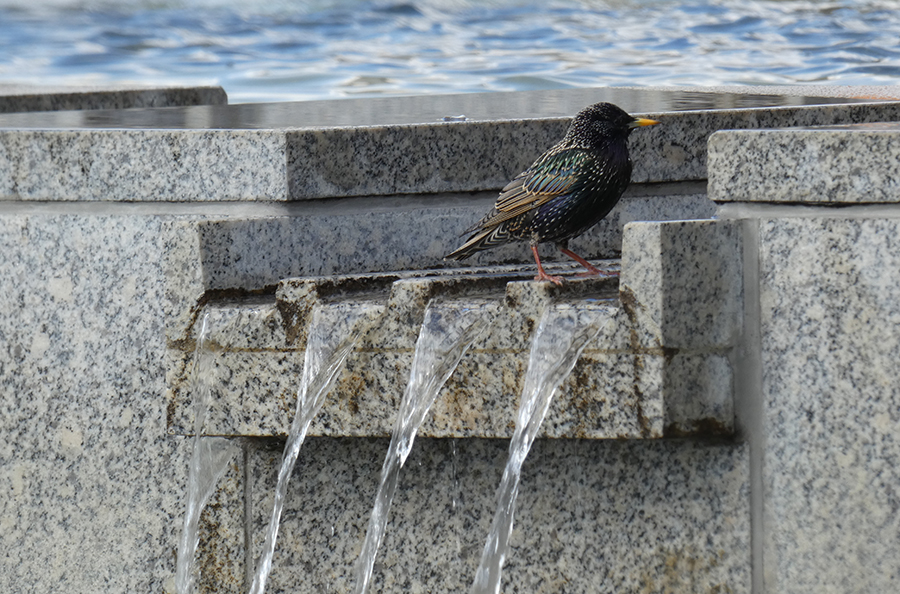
(103, 275)
(820, 400)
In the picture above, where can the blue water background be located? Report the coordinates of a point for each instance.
(279, 50)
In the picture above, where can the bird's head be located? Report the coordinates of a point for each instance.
(602, 122)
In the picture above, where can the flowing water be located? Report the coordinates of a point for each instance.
(559, 340)
(281, 50)
(332, 333)
(210, 457)
(448, 331)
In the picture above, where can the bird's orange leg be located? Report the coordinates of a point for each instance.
(591, 269)
(543, 276)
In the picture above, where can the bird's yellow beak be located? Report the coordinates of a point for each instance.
(638, 122)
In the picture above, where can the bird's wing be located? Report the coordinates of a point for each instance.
(550, 176)
(557, 172)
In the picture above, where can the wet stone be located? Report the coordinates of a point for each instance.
(643, 375)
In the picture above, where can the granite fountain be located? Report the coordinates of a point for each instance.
(725, 422)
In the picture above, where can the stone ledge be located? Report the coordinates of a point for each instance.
(244, 254)
(661, 367)
(31, 98)
(205, 162)
(834, 165)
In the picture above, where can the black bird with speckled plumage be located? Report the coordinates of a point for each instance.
(565, 192)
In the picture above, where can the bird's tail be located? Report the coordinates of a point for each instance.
(482, 240)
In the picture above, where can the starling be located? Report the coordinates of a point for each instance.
(565, 192)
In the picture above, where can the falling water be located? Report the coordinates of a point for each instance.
(333, 331)
(210, 457)
(562, 335)
(209, 461)
(447, 332)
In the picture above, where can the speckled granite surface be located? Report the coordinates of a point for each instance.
(601, 516)
(674, 150)
(682, 282)
(832, 165)
(831, 404)
(91, 484)
(287, 164)
(29, 98)
(820, 406)
(257, 374)
(661, 366)
(111, 165)
(94, 484)
(220, 562)
(240, 253)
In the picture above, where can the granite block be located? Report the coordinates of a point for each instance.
(28, 98)
(591, 516)
(676, 149)
(258, 362)
(257, 397)
(97, 302)
(442, 157)
(687, 279)
(682, 288)
(663, 360)
(92, 484)
(830, 399)
(247, 253)
(142, 165)
(699, 394)
(825, 166)
(301, 163)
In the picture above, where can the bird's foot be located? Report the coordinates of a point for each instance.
(543, 276)
(590, 269)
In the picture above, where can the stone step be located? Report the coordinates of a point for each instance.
(660, 367)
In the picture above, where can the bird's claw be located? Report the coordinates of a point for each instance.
(556, 280)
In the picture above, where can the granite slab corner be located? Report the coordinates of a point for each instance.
(830, 166)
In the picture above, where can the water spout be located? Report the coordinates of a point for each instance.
(561, 337)
(448, 331)
(333, 331)
(210, 457)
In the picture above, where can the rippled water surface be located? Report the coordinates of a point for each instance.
(272, 51)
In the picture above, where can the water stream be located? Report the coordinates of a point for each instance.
(210, 457)
(333, 331)
(448, 331)
(561, 337)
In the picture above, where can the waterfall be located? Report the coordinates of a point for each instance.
(333, 331)
(210, 457)
(447, 332)
(562, 335)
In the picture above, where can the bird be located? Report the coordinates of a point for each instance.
(565, 192)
